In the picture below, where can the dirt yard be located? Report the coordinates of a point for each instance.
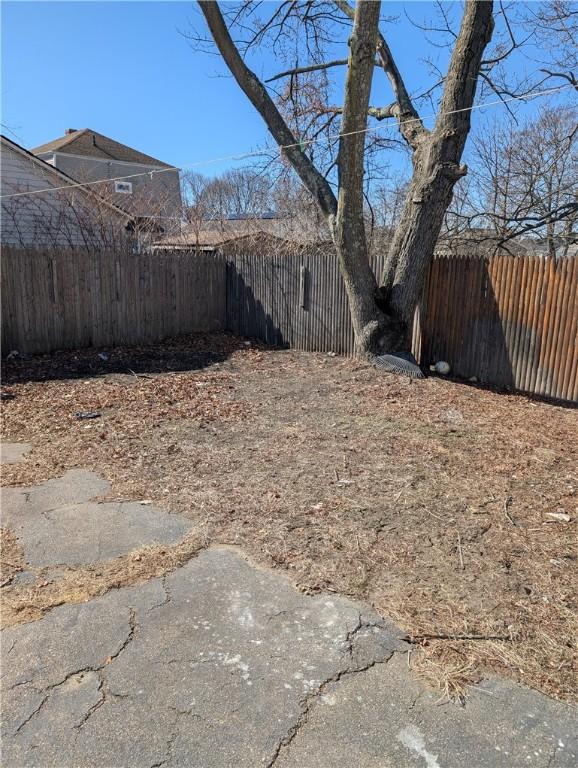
(451, 509)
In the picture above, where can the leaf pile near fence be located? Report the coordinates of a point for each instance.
(68, 299)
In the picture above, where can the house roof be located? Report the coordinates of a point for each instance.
(64, 179)
(204, 240)
(89, 143)
(212, 233)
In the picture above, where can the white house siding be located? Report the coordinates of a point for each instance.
(52, 219)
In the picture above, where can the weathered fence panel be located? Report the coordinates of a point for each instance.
(507, 321)
(68, 299)
(293, 300)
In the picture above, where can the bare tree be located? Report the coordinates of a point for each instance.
(246, 192)
(195, 202)
(523, 181)
(240, 191)
(381, 315)
(555, 26)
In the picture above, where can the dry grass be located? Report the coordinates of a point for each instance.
(79, 584)
(428, 499)
(11, 556)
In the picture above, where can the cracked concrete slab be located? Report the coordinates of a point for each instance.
(12, 453)
(212, 665)
(57, 523)
(387, 719)
(221, 664)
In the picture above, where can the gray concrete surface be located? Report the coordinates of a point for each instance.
(221, 664)
(56, 522)
(11, 453)
(385, 718)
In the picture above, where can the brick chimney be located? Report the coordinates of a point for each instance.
(70, 130)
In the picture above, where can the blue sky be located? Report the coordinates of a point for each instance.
(122, 69)
(125, 70)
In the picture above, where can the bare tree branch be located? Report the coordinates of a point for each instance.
(410, 124)
(258, 96)
(569, 76)
(310, 68)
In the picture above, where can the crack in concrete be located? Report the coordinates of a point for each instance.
(309, 702)
(552, 757)
(58, 508)
(275, 615)
(170, 740)
(188, 712)
(350, 635)
(17, 685)
(101, 689)
(190, 662)
(97, 669)
(415, 701)
(168, 596)
(31, 715)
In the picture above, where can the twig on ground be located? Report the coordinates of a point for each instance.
(462, 566)
(417, 638)
(140, 375)
(507, 502)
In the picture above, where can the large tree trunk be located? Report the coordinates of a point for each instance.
(376, 331)
(348, 230)
(415, 238)
(436, 163)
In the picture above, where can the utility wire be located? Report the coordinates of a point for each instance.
(300, 144)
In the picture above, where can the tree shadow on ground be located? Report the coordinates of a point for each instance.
(183, 353)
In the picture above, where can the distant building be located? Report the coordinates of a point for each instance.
(153, 191)
(264, 228)
(67, 216)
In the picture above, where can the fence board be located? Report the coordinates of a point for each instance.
(68, 299)
(508, 321)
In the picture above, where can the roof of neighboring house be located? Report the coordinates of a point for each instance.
(211, 234)
(64, 179)
(89, 143)
(266, 216)
(207, 241)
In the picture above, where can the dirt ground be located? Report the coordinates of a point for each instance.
(451, 509)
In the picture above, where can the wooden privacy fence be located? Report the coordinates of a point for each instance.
(289, 300)
(68, 299)
(507, 321)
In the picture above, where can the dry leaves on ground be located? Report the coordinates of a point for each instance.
(452, 509)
